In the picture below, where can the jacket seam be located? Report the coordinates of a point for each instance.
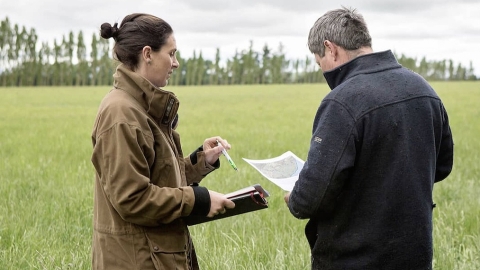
(350, 112)
(130, 125)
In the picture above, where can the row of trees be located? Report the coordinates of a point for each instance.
(69, 62)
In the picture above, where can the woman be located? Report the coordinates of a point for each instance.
(144, 184)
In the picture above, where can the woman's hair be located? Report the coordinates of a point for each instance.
(344, 27)
(136, 31)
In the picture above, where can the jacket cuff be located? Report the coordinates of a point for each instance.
(193, 155)
(199, 156)
(202, 200)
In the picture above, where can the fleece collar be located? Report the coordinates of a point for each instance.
(160, 104)
(363, 64)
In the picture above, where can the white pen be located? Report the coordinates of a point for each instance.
(224, 152)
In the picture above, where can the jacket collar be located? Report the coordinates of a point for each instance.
(160, 104)
(363, 64)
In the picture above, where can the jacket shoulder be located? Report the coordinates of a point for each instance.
(119, 107)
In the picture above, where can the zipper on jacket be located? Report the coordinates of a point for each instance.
(168, 111)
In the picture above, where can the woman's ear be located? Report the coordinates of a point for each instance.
(146, 54)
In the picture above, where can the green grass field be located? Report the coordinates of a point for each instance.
(46, 177)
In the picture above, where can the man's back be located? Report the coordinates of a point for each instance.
(381, 131)
(386, 204)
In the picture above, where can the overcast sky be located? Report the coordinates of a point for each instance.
(436, 29)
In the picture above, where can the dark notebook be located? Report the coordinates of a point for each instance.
(246, 200)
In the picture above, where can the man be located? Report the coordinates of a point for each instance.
(380, 141)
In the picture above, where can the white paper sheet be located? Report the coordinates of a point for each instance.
(283, 170)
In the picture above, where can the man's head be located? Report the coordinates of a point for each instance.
(339, 36)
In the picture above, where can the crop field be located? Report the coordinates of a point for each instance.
(46, 176)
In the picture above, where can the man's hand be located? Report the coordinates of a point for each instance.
(287, 197)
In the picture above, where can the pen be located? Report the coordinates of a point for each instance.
(224, 152)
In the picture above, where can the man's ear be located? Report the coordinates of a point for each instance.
(332, 48)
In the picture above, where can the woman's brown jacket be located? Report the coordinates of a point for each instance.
(143, 182)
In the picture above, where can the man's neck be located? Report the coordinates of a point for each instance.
(361, 51)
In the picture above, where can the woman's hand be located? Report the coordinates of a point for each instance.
(213, 150)
(219, 204)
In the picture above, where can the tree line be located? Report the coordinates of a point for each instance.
(24, 61)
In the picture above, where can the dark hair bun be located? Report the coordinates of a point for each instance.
(107, 30)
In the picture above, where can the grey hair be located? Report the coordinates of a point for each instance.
(345, 27)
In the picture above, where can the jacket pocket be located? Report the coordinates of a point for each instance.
(168, 251)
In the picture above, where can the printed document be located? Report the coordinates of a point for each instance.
(283, 170)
